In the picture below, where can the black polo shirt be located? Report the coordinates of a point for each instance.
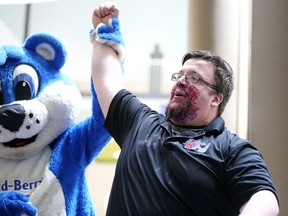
(202, 171)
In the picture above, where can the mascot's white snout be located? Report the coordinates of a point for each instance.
(29, 118)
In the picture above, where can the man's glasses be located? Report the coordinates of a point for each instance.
(193, 79)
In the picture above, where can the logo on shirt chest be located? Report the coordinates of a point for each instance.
(196, 145)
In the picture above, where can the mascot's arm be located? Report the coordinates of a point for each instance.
(95, 135)
(85, 140)
(15, 204)
(90, 136)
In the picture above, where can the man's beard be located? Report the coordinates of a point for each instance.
(183, 109)
(182, 112)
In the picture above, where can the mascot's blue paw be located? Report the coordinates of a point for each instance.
(15, 204)
(110, 34)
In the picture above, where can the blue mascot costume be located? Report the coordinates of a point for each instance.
(43, 152)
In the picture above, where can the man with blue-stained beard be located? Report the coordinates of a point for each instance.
(186, 162)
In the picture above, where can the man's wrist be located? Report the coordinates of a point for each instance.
(92, 35)
(110, 35)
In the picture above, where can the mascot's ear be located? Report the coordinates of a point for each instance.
(48, 47)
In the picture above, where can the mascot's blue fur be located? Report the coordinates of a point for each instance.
(43, 153)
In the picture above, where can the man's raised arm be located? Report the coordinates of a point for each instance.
(106, 67)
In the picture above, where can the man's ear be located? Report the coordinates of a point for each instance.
(218, 98)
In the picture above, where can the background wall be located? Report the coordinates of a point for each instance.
(143, 25)
(268, 90)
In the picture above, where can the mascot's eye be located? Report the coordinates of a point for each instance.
(25, 82)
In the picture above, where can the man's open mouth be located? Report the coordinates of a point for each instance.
(179, 93)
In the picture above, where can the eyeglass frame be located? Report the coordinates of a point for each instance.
(196, 81)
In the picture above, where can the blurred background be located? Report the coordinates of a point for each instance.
(252, 35)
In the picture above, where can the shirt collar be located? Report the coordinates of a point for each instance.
(216, 126)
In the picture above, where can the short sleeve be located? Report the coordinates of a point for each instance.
(246, 173)
(122, 113)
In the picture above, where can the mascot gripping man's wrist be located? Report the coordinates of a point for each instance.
(43, 152)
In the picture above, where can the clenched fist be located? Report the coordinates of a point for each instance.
(103, 13)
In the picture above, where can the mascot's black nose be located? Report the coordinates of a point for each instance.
(12, 117)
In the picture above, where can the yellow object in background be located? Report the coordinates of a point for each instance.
(110, 153)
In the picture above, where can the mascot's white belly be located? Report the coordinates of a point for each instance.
(33, 178)
(49, 197)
